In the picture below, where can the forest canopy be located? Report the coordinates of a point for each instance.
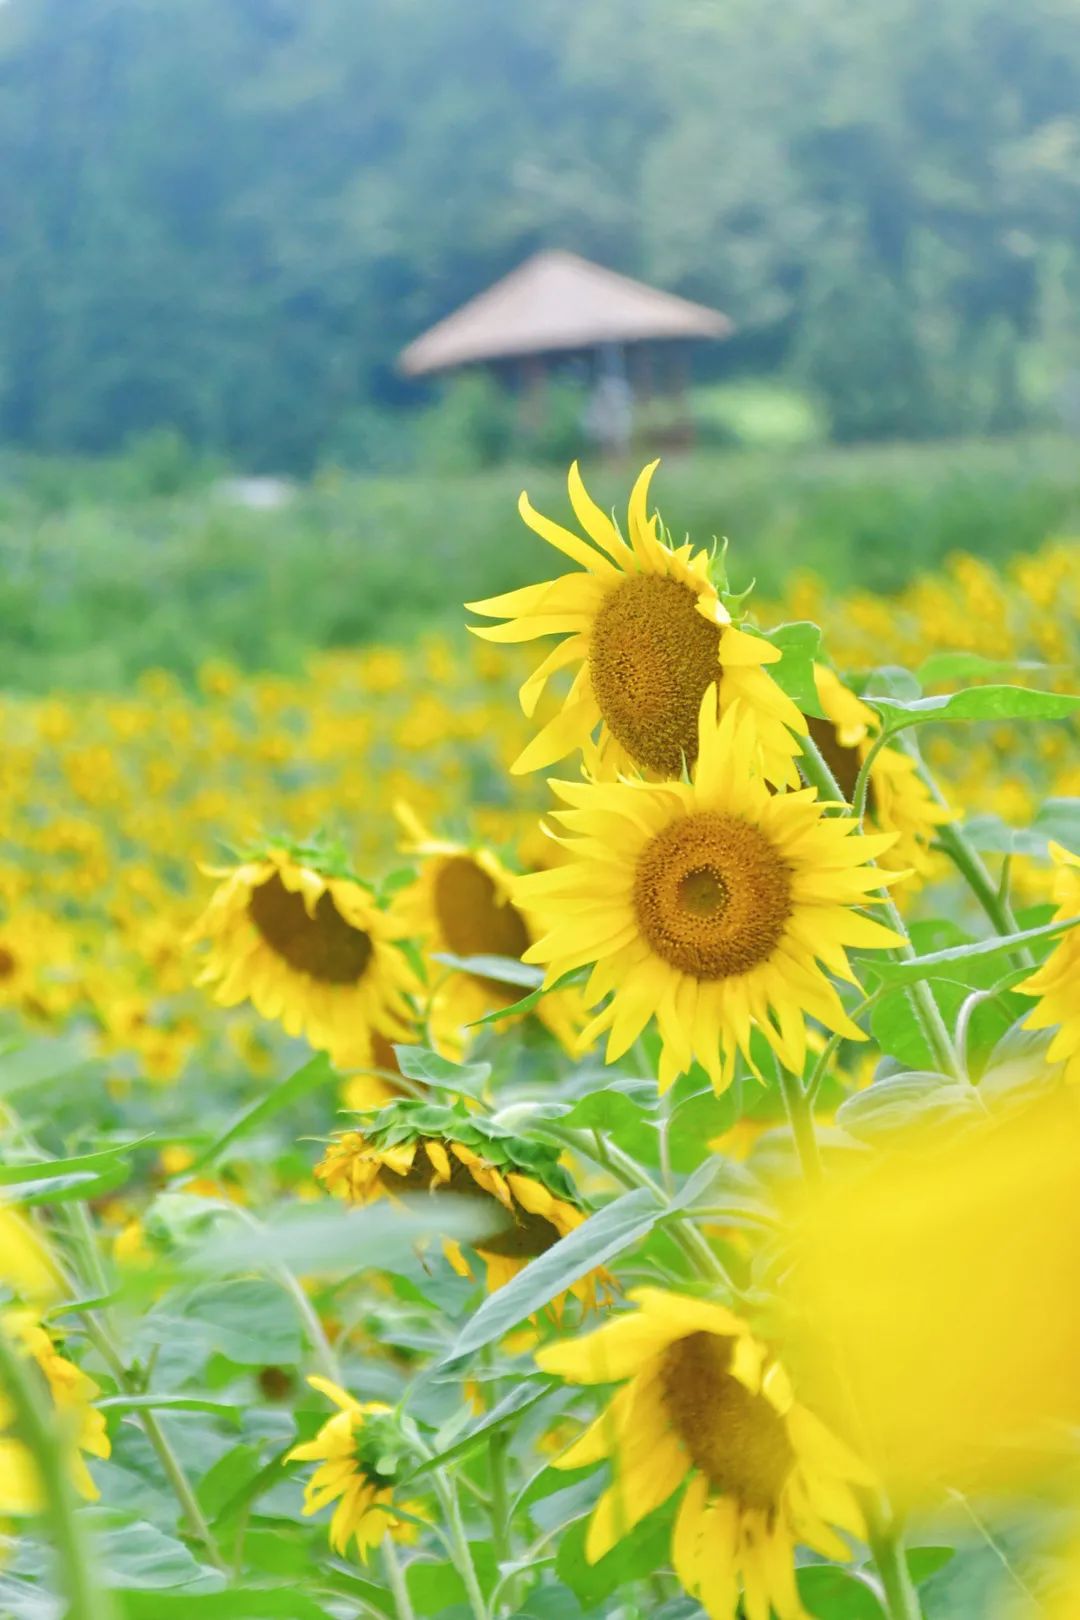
(225, 217)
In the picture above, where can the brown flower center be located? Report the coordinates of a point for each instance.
(474, 921)
(324, 946)
(651, 657)
(736, 1438)
(8, 963)
(712, 895)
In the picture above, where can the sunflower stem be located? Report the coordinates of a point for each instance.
(459, 1542)
(800, 1115)
(99, 1331)
(970, 864)
(499, 1502)
(395, 1580)
(887, 1546)
(862, 781)
(925, 1008)
(87, 1596)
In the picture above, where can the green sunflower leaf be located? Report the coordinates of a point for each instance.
(937, 964)
(976, 703)
(503, 969)
(420, 1063)
(800, 645)
(604, 1235)
(830, 1593)
(318, 1071)
(966, 666)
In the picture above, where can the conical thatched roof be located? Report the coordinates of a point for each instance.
(557, 301)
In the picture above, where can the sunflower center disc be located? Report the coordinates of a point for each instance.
(7, 963)
(651, 657)
(712, 895)
(736, 1438)
(473, 922)
(324, 946)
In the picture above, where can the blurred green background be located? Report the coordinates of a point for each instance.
(222, 219)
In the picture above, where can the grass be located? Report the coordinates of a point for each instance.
(99, 581)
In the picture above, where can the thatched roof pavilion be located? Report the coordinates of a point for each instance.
(556, 303)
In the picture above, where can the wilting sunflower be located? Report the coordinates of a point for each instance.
(413, 1147)
(1056, 981)
(460, 905)
(708, 906)
(354, 1448)
(73, 1394)
(897, 801)
(650, 634)
(307, 943)
(708, 1406)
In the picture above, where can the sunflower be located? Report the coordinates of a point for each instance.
(897, 800)
(412, 1147)
(1055, 982)
(73, 1393)
(708, 906)
(650, 634)
(26, 1265)
(707, 1405)
(460, 905)
(354, 1448)
(308, 945)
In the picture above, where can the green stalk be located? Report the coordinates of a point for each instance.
(395, 1580)
(970, 864)
(925, 1008)
(887, 1546)
(87, 1597)
(99, 1331)
(459, 1543)
(800, 1115)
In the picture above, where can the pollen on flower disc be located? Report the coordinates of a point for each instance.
(712, 895)
(324, 945)
(736, 1438)
(651, 658)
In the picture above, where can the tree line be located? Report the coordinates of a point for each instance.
(227, 216)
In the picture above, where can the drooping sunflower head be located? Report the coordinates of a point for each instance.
(358, 1450)
(706, 1405)
(713, 906)
(461, 905)
(897, 800)
(650, 634)
(412, 1146)
(295, 932)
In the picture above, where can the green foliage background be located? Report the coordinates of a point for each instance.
(226, 216)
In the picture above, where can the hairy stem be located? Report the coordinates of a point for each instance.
(395, 1580)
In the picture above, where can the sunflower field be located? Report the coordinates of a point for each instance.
(547, 1133)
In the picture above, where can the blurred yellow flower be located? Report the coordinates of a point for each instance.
(1057, 981)
(308, 947)
(707, 1405)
